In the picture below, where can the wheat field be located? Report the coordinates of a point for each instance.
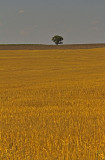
(52, 104)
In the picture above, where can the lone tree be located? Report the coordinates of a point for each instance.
(57, 39)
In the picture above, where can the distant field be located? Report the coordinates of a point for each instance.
(48, 47)
(52, 104)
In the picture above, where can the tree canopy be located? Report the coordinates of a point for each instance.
(57, 39)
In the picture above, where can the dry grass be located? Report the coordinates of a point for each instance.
(52, 105)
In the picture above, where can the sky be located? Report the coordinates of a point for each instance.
(37, 21)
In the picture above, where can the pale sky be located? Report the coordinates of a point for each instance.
(37, 21)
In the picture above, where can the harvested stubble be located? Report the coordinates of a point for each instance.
(52, 105)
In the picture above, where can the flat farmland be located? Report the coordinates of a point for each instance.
(52, 104)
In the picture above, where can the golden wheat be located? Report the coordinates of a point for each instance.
(52, 105)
